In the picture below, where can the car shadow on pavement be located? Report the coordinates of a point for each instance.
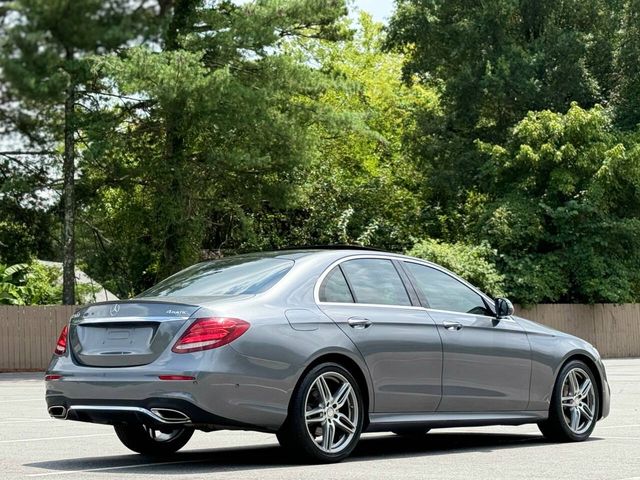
(271, 456)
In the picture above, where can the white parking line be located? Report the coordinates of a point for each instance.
(55, 438)
(102, 469)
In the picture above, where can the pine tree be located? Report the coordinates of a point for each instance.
(46, 54)
(215, 130)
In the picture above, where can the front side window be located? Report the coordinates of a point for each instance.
(334, 288)
(443, 292)
(228, 276)
(375, 281)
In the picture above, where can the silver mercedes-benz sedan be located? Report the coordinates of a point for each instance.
(318, 346)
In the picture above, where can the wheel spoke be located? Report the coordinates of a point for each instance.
(586, 387)
(328, 433)
(342, 395)
(567, 401)
(315, 416)
(324, 390)
(575, 419)
(586, 411)
(573, 381)
(343, 422)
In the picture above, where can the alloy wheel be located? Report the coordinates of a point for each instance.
(331, 412)
(578, 401)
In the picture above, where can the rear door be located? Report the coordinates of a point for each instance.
(487, 361)
(400, 343)
(125, 334)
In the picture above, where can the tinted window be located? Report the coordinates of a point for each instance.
(334, 288)
(229, 276)
(443, 292)
(375, 281)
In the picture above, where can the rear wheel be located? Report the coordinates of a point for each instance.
(153, 441)
(574, 405)
(326, 415)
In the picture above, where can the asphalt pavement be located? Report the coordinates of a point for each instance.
(34, 446)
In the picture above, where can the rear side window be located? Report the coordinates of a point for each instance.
(443, 292)
(334, 288)
(228, 276)
(375, 281)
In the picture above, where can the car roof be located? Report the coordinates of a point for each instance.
(331, 250)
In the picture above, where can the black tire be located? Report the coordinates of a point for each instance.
(556, 428)
(138, 439)
(294, 435)
(411, 432)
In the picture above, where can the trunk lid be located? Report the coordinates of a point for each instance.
(126, 333)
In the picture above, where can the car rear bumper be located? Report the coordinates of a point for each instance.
(222, 391)
(157, 412)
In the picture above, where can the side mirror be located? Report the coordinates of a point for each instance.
(504, 308)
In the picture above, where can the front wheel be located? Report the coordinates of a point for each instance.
(326, 415)
(574, 405)
(152, 441)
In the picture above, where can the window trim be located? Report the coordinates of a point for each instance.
(407, 281)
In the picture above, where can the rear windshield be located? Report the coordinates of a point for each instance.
(228, 276)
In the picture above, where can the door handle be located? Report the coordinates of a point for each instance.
(452, 325)
(359, 322)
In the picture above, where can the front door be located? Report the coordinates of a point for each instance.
(400, 343)
(486, 361)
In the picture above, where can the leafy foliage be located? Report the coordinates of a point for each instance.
(360, 186)
(29, 284)
(214, 128)
(565, 209)
(504, 136)
(524, 156)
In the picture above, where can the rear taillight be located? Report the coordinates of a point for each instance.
(207, 333)
(61, 346)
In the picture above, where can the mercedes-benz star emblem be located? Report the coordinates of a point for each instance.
(114, 310)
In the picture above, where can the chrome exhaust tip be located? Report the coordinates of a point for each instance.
(169, 415)
(58, 411)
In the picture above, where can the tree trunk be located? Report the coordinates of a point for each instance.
(68, 173)
(175, 242)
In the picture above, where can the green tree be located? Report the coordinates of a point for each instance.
(498, 60)
(25, 232)
(493, 62)
(45, 59)
(564, 209)
(360, 185)
(214, 127)
(627, 98)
